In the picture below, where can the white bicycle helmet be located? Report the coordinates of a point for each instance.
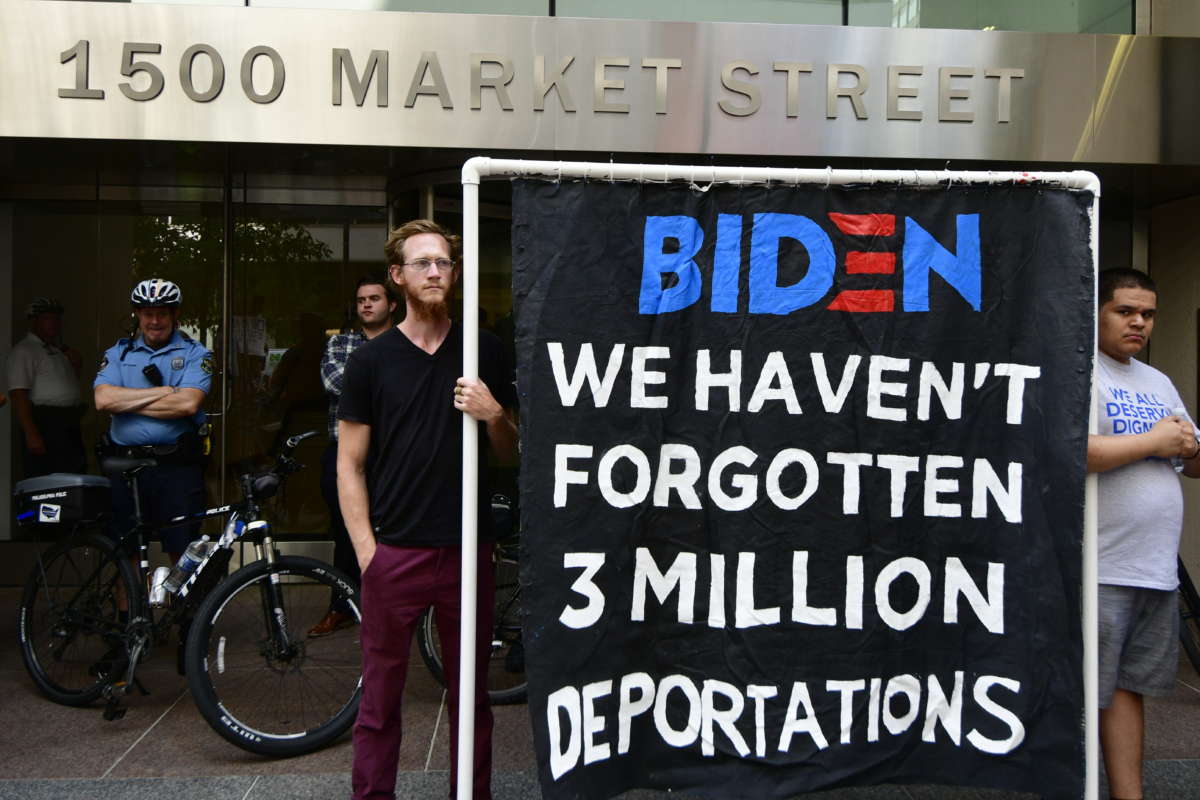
(155, 292)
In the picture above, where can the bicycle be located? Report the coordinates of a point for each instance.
(506, 668)
(87, 621)
(1189, 611)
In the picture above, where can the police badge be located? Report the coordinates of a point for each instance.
(206, 365)
(177, 363)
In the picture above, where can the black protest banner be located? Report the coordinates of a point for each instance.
(802, 485)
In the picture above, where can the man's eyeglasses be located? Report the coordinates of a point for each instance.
(444, 265)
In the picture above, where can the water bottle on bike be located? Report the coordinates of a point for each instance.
(195, 553)
(88, 617)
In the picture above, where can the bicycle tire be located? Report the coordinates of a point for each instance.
(1189, 623)
(69, 625)
(269, 698)
(506, 666)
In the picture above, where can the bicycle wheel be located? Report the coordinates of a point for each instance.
(506, 667)
(70, 627)
(1189, 623)
(254, 674)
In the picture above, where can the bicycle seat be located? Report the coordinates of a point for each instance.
(126, 464)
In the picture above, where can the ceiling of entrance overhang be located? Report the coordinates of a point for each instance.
(48, 169)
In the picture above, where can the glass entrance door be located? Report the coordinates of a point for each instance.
(295, 269)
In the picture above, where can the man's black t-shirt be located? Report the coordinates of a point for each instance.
(414, 464)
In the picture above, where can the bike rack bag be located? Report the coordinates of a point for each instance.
(62, 498)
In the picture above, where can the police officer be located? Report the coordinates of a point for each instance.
(153, 384)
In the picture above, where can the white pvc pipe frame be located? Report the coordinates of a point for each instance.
(480, 167)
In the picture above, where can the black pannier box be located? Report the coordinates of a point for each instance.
(62, 499)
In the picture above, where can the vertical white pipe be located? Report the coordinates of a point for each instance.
(1090, 576)
(470, 491)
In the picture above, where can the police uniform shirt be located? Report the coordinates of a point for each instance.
(182, 362)
(45, 371)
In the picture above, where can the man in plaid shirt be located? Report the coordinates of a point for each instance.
(374, 306)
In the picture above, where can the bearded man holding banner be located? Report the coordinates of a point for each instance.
(1145, 438)
(399, 474)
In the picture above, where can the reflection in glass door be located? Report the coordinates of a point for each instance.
(186, 248)
(109, 252)
(294, 273)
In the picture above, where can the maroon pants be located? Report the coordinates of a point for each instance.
(399, 584)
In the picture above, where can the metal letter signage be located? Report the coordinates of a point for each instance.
(574, 84)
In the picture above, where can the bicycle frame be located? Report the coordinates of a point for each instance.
(244, 521)
(87, 622)
(1189, 615)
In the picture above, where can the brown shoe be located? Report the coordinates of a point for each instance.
(333, 621)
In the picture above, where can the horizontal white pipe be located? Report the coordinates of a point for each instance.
(484, 167)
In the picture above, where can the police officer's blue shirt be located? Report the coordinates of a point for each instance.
(182, 361)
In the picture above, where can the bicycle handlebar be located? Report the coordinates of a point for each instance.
(292, 441)
(264, 485)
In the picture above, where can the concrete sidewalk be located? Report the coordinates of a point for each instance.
(163, 749)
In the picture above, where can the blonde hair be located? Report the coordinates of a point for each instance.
(394, 248)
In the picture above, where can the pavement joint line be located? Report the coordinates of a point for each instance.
(145, 733)
(257, 778)
(1195, 689)
(437, 723)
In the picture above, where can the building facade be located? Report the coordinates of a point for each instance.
(255, 151)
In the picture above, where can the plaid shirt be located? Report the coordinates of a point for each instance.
(333, 366)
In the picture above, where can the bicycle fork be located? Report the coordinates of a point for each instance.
(272, 607)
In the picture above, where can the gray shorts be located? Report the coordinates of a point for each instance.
(1139, 641)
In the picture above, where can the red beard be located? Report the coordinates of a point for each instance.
(422, 309)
